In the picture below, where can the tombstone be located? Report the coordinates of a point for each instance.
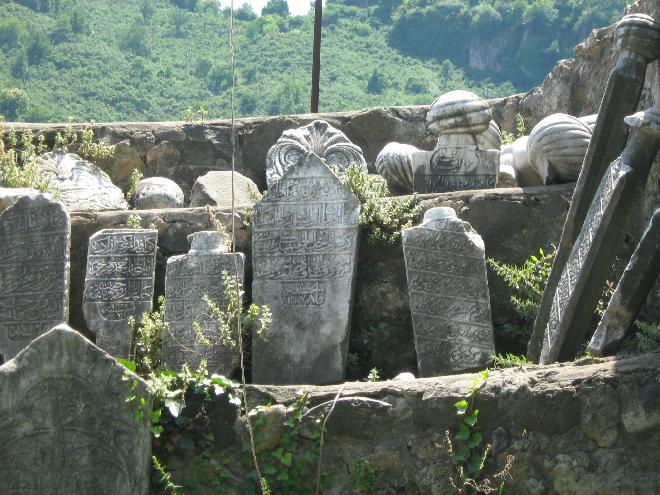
(189, 279)
(66, 427)
(467, 154)
(448, 291)
(595, 249)
(395, 164)
(304, 250)
(320, 138)
(81, 184)
(631, 292)
(638, 41)
(119, 284)
(35, 235)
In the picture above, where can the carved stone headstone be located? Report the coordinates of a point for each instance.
(35, 234)
(631, 292)
(119, 283)
(467, 153)
(81, 184)
(638, 41)
(448, 291)
(189, 279)
(395, 164)
(304, 243)
(595, 249)
(320, 138)
(65, 425)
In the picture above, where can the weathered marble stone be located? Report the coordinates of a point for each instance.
(589, 121)
(35, 235)
(526, 175)
(395, 165)
(631, 292)
(119, 283)
(304, 250)
(638, 42)
(457, 168)
(448, 291)
(491, 138)
(557, 146)
(9, 195)
(320, 138)
(459, 112)
(214, 189)
(66, 427)
(594, 251)
(81, 184)
(190, 278)
(155, 193)
(506, 176)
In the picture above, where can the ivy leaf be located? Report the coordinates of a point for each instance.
(270, 469)
(461, 406)
(475, 439)
(475, 465)
(174, 407)
(462, 454)
(129, 365)
(463, 432)
(287, 459)
(471, 419)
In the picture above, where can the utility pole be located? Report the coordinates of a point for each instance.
(316, 57)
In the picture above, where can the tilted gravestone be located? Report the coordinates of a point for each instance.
(631, 292)
(304, 249)
(35, 235)
(119, 284)
(638, 41)
(66, 427)
(448, 291)
(595, 249)
(190, 278)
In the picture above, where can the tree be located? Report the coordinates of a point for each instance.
(376, 84)
(219, 78)
(13, 102)
(11, 33)
(180, 19)
(135, 40)
(276, 7)
(146, 9)
(245, 13)
(39, 48)
(20, 66)
(62, 32)
(290, 97)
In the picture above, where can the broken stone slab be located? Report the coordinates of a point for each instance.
(66, 424)
(594, 251)
(81, 184)
(526, 175)
(192, 332)
(35, 236)
(9, 195)
(557, 146)
(638, 42)
(155, 193)
(119, 284)
(448, 291)
(304, 241)
(320, 138)
(214, 189)
(631, 292)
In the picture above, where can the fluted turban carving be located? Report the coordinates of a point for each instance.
(395, 164)
(319, 137)
(557, 146)
(459, 112)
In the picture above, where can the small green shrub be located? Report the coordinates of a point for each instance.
(381, 218)
(499, 361)
(645, 338)
(136, 176)
(364, 476)
(134, 222)
(521, 130)
(17, 165)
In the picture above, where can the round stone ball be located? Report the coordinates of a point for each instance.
(156, 193)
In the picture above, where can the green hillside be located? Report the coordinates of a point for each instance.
(156, 59)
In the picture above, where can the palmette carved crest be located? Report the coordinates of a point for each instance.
(320, 138)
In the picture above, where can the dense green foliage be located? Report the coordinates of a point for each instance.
(154, 59)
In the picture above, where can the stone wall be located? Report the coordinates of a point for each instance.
(589, 428)
(514, 223)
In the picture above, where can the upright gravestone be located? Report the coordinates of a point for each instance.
(191, 279)
(66, 427)
(304, 248)
(119, 283)
(631, 292)
(35, 235)
(595, 249)
(448, 290)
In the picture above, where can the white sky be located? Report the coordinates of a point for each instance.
(296, 7)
